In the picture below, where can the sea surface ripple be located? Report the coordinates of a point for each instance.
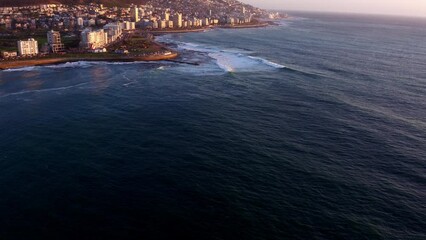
(313, 129)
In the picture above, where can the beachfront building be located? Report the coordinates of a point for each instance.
(162, 24)
(167, 16)
(170, 24)
(93, 39)
(28, 47)
(154, 24)
(114, 31)
(197, 22)
(177, 22)
(230, 20)
(54, 42)
(205, 21)
(8, 54)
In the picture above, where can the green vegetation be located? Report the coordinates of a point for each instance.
(8, 43)
(71, 41)
(136, 44)
(9, 39)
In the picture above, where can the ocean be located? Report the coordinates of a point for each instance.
(311, 129)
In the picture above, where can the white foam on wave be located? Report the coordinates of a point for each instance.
(78, 64)
(229, 60)
(267, 62)
(23, 69)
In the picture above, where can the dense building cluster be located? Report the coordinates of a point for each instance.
(97, 25)
(68, 18)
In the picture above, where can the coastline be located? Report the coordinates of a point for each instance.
(160, 32)
(42, 61)
(59, 60)
(257, 25)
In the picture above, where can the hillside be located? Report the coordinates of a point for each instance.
(187, 6)
(13, 3)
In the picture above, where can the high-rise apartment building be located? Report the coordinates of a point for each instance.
(167, 16)
(28, 47)
(54, 41)
(93, 39)
(178, 20)
(134, 11)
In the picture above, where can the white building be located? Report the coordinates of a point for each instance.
(154, 24)
(93, 39)
(178, 20)
(162, 24)
(134, 11)
(205, 22)
(29, 47)
(114, 31)
(128, 25)
(170, 24)
(167, 16)
(80, 22)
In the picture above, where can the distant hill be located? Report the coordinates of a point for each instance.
(190, 5)
(15, 3)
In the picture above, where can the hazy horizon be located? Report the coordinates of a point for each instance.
(388, 7)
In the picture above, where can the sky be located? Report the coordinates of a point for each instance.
(391, 7)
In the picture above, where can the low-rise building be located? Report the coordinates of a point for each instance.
(162, 24)
(8, 54)
(170, 24)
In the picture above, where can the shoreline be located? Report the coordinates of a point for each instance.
(14, 64)
(60, 60)
(161, 32)
(257, 25)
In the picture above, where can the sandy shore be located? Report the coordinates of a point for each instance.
(50, 61)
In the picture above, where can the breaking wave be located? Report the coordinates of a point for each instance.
(229, 60)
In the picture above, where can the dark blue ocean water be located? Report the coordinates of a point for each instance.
(314, 129)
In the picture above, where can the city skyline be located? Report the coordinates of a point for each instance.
(388, 7)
